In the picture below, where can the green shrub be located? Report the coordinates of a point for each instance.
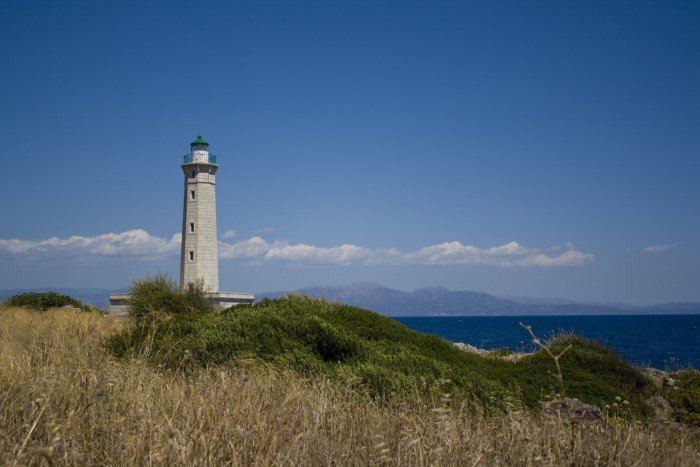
(154, 299)
(591, 372)
(44, 300)
(684, 396)
(328, 342)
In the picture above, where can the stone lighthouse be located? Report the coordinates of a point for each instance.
(198, 253)
(198, 258)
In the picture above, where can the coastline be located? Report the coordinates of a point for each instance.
(665, 342)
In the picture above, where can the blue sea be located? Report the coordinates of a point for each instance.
(667, 342)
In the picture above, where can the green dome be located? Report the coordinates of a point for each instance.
(199, 141)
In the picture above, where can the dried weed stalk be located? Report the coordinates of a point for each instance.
(538, 342)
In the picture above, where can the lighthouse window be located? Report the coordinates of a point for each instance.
(191, 255)
(192, 194)
(192, 227)
(192, 173)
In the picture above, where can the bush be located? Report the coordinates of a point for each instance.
(44, 300)
(684, 396)
(328, 342)
(591, 372)
(154, 299)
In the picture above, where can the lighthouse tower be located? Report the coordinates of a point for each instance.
(198, 257)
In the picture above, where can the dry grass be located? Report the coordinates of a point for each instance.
(63, 400)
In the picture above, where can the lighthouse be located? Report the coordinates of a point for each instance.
(199, 261)
(198, 255)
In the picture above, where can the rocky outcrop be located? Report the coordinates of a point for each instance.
(573, 409)
(662, 408)
(471, 349)
(511, 357)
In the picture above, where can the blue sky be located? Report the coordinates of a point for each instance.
(410, 143)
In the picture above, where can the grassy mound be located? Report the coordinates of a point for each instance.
(591, 372)
(368, 352)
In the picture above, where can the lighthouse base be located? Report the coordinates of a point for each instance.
(119, 303)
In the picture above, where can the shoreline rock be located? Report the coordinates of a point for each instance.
(511, 357)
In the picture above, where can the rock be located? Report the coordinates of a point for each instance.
(471, 349)
(661, 406)
(655, 375)
(513, 357)
(574, 409)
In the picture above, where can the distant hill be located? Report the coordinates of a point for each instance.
(689, 307)
(429, 301)
(439, 301)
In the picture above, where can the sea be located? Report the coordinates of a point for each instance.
(666, 342)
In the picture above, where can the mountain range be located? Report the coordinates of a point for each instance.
(429, 301)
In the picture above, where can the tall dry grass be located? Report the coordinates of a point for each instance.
(63, 400)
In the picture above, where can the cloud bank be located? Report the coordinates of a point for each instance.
(141, 244)
(132, 243)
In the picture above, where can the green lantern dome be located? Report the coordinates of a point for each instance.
(199, 142)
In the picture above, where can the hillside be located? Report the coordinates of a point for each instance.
(363, 351)
(66, 401)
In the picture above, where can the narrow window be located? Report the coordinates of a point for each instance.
(192, 173)
(192, 194)
(192, 227)
(191, 255)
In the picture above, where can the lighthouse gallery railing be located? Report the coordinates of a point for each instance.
(187, 158)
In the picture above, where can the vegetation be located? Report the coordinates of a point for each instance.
(302, 380)
(684, 396)
(44, 301)
(65, 401)
(368, 353)
(155, 299)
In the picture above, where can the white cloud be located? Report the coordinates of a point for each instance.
(139, 243)
(229, 234)
(511, 255)
(245, 249)
(132, 243)
(659, 248)
(344, 254)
